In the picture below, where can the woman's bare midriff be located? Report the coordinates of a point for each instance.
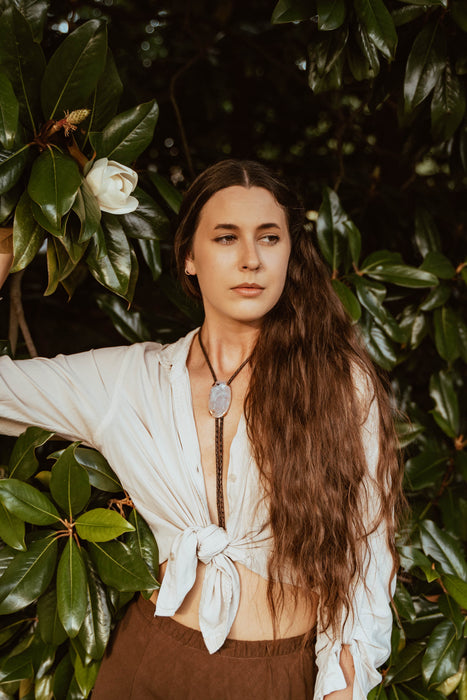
(253, 619)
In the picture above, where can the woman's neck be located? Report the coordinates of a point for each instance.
(228, 344)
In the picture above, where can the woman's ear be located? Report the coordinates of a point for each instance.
(190, 265)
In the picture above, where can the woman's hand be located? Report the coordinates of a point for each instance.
(347, 666)
(6, 252)
(5, 263)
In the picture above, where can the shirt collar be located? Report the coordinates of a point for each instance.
(173, 356)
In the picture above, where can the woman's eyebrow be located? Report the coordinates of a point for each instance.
(234, 227)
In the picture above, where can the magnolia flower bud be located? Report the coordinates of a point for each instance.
(112, 184)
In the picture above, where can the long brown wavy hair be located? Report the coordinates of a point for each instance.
(311, 389)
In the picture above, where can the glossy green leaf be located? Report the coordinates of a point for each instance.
(12, 165)
(403, 602)
(8, 201)
(326, 60)
(167, 191)
(62, 678)
(148, 221)
(370, 301)
(101, 525)
(116, 266)
(95, 630)
(425, 65)
(151, 252)
(446, 333)
(426, 232)
(86, 675)
(403, 276)
(143, 543)
(106, 96)
(99, 471)
(15, 668)
(379, 24)
(291, 11)
(408, 665)
(69, 483)
(35, 12)
(119, 568)
(452, 611)
(23, 462)
(331, 14)
(457, 587)
(414, 323)
(444, 549)
(416, 692)
(369, 54)
(443, 654)
(425, 470)
(406, 14)
(407, 432)
(436, 297)
(355, 240)
(54, 182)
(74, 69)
(28, 575)
(59, 264)
(379, 346)
(43, 221)
(9, 113)
(446, 411)
(27, 502)
(50, 627)
(380, 257)
(71, 588)
(12, 529)
(23, 62)
(412, 557)
(127, 322)
(28, 235)
(348, 299)
(88, 211)
(128, 134)
(447, 105)
(459, 13)
(330, 228)
(438, 264)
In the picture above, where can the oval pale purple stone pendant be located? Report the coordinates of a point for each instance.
(220, 397)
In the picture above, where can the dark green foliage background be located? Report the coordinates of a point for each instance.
(360, 105)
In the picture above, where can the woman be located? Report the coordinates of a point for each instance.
(273, 505)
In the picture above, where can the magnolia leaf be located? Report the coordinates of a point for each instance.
(443, 394)
(86, 207)
(408, 665)
(291, 11)
(151, 253)
(127, 135)
(403, 275)
(74, 69)
(331, 14)
(23, 62)
(378, 345)
(106, 95)
(23, 462)
(101, 525)
(71, 588)
(331, 229)
(425, 65)
(438, 264)
(28, 575)
(426, 232)
(27, 502)
(49, 624)
(403, 602)
(447, 333)
(28, 235)
(115, 267)
(53, 184)
(436, 297)
(379, 24)
(95, 630)
(425, 470)
(148, 221)
(370, 301)
(443, 654)
(69, 483)
(444, 549)
(85, 675)
(326, 59)
(12, 529)
(457, 588)
(143, 543)
(99, 471)
(12, 164)
(9, 113)
(119, 568)
(167, 191)
(128, 323)
(447, 105)
(348, 299)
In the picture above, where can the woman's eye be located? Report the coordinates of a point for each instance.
(270, 238)
(228, 238)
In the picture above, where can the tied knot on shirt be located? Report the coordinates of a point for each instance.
(212, 540)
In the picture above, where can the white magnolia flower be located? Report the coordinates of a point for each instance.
(112, 184)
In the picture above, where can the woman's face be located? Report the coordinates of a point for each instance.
(242, 239)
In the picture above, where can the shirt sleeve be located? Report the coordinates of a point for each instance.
(367, 629)
(68, 394)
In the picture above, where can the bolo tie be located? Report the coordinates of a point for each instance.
(220, 398)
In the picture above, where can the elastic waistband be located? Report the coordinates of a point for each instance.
(231, 647)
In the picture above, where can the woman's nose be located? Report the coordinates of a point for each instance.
(250, 259)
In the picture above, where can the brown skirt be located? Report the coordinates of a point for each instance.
(155, 657)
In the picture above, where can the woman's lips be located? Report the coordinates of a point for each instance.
(248, 291)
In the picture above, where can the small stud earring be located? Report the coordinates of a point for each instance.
(187, 273)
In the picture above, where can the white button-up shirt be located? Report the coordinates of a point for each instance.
(133, 404)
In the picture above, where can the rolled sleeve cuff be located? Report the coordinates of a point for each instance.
(330, 676)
